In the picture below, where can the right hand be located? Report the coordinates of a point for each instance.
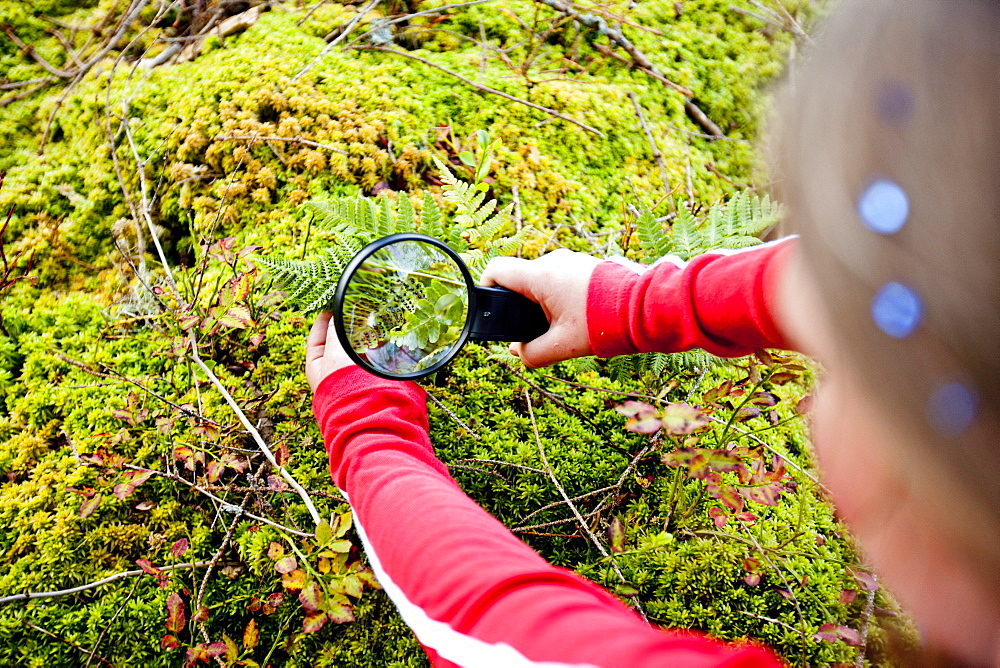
(558, 282)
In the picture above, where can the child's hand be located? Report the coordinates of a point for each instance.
(558, 281)
(324, 354)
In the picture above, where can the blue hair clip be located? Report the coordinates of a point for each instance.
(884, 207)
(951, 408)
(897, 310)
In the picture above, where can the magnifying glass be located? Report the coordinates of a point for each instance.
(406, 304)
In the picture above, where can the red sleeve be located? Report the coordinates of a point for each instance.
(722, 301)
(472, 592)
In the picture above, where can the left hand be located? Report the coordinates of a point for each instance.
(324, 354)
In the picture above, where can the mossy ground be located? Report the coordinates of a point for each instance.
(386, 115)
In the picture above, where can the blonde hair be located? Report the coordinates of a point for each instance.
(901, 101)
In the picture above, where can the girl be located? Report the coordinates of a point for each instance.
(888, 152)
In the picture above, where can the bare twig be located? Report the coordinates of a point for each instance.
(107, 627)
(290, 140)
(346, 31)
(657, 155)
(569, 502)
(11, 99)
(772, 621)
(485, 89)
(228, 507)
(407, 17)
(866, 626)
(65, 642)
(92, 585)
(496, 461)
(454, 417)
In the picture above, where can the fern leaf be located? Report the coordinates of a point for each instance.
(687, 241)
(651, 235)
(386, 218)
(430, 218)
(406, 220)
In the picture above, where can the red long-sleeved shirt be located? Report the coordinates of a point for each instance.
(472, 592)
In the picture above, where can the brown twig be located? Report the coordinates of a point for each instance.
(657, 155)
(66, 642)
(92, 585)
(290, 140)
(866, 626)
(454, 417)
(485, 89)
(348, 29)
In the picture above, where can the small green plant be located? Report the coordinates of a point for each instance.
(726, 226)
(476, 230)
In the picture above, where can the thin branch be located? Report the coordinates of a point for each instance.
(95, 584)
(66, 642)
(454, 417)
(226, 506)
(497, 461)
(290, 140)
(348, 29)
(483, 88)
(11, 99)
(657, 155)
(866, 626)
(772, 621)
(407, 17)
(569, 502)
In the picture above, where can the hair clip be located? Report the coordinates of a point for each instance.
(897, 310)
(951, 408)
(894, 102)
(884, 207)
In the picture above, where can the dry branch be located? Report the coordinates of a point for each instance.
(485, 89)
(657, 155)
(95, 584)
(290, 140)
(346, 31)
(640, 60)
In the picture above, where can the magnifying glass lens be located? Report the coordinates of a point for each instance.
(405, 307)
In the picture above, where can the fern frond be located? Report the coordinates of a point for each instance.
(406, 219)
(430, 218)
(687, 241)
(311, 284)
(651, 235)
(386, 218)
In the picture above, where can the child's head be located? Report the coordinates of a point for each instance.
(889, 155)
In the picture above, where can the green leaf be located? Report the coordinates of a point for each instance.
(324, 533)
(483, 137)
(90, 505)
(467, 158)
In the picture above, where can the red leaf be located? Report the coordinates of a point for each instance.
(311, 597)
(281, 454)
(275, 550)
(234, 461)
(804, 405)
(681, 419)
(200, 615)
(827, 633)
(277, 483)
(746, 517)
(752, 579)
(849, 635)
(764, 399)
(313, 622)
(215, 469)
(866, 581)
(718, 516)
(169, 642)
(782, 377)
(123, 489)
(767, 495)
(90, 505)
(635, 409)
(847, 596)
(273, 601)
(747, 412)
(139, 477)
(616, 535)
(179, 548)
(750, 564)
(785, 593)
(175, 613)
(147, 566)
(340, 613)
(286, 564)
(764, 357)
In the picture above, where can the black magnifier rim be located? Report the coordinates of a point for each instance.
(345, 279)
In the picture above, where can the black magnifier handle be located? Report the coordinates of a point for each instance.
(505, 315)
